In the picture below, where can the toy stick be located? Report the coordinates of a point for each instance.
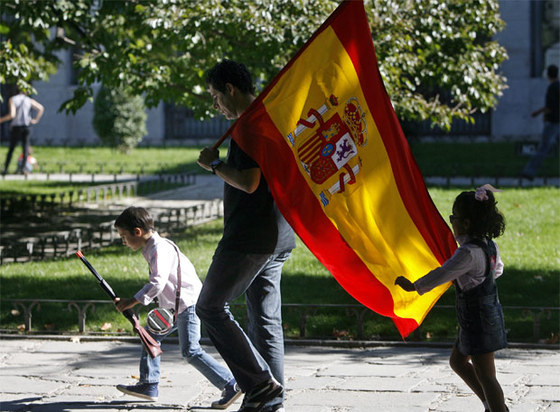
(150, 344)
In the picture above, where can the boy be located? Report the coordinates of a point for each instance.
(136, 229)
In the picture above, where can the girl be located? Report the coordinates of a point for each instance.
(473, 269)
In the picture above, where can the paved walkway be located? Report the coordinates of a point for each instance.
(73, 375)
(206, 187)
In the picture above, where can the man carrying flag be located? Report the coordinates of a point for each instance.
(324, 138)
(330, 146)
(256, 242)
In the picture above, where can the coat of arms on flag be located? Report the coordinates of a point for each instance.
(328, 144)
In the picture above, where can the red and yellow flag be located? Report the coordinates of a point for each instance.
(329, 144)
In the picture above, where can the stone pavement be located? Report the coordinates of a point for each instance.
(207, 188)
(80, 374)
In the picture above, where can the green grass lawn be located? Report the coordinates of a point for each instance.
(36, 187)
(145, 160)
(530, 250)
(476, 159)
(156, 160)
(434, 159)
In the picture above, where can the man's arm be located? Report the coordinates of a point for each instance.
(247, 179)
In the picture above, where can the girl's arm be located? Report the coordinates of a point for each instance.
(454, 267)
(405, 284)
(499, 264)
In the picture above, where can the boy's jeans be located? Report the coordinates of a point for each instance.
(255, 358)
(188, 327)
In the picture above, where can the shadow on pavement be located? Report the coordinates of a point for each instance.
(27, 403)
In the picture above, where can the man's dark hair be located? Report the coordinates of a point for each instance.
(134, 217)
(552, 71)
(228, 71)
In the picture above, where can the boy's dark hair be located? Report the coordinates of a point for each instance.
(228, 71)
(485, 218)
(133, 217)
(552, 71)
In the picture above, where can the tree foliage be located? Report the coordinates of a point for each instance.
(438, 58)
(119, 118)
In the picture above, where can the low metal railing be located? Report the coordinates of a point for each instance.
(99, 193)
(67, 242)
(356, 314)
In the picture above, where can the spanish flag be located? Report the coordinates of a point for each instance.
(330, 146)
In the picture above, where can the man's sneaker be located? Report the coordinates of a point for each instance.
(229, 395)
(148, 391)
(255, 400)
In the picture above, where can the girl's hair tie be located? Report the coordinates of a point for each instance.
(480, 192)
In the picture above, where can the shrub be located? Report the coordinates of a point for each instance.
(119, 118)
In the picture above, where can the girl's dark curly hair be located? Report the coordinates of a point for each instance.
(486, 221)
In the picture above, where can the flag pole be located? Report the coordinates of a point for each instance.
(219, 141)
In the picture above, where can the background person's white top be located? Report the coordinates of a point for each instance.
(162, 258)
(23, 110)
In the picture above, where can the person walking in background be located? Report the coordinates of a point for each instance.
(473, 269)
(551, 128)
(21, 108)
(256, 242)
(167, 266)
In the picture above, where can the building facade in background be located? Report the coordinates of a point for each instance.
(531, 38)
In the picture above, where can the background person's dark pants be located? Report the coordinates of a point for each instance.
(17, 134)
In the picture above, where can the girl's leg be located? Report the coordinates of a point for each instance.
(462, 366)
(486, 374)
